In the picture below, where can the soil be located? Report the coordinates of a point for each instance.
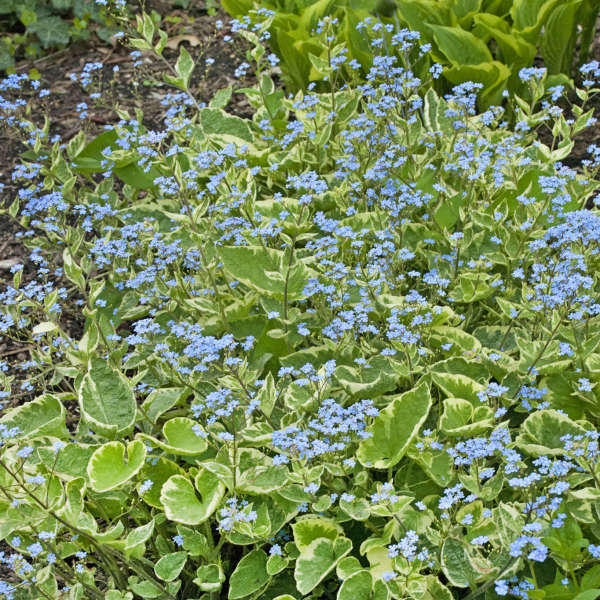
(197, 31)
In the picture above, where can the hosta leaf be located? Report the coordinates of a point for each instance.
(530, 15)
(109, 468)
(317, 560)
(493, 75)
(515, 50)
(394, 428)
(106, 400)
(249, 575)
(558, 38)
(460, 47)
(180, 500)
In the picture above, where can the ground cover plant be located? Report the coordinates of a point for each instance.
(484, 41)
(347, 348)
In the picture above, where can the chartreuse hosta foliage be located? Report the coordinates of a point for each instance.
(348, 348)
(486, 41)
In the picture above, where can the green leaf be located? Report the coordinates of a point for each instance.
(317, 560)
(358, 508)
(158, 470)
(529, 16)
(357, 587)
(221, 98)
(394, 428)
(419, 14)
(434, 117)
(493, 75)
(460, 47)
(236, 8)
(267, 395)
(458, 418)
(276, 564)
(541, 431)
(169, 566)
(180, 438)
(374, 378)
(109, 468)
(457, 563)
(27, 17)
(181, 503)
(437, 464)
(139, 535)
(161, 400)
(516, 51)
(51, 31)
(249, 576)
(106, 400)
(588, 595)
(184, 66)
(295, 64)
(217, 121)
(309, 529)
(62, 5)
(456, 385)
(262, 479)
(264, 269)
(558, 38)
(447, 213)
(71, 461)
(209, 578)
(136, 177)
(43, 416)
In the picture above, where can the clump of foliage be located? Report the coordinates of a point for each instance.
(483, 41)
(32, 27)
(348, 348)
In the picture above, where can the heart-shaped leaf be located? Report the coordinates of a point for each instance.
(106, 400)
(182, 503)
(180, 437)
(394, 428)
(109, 468)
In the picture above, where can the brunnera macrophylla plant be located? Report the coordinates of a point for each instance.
(348, 348)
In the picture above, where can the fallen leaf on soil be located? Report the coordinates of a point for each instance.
(7, 263)
(173, 43)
